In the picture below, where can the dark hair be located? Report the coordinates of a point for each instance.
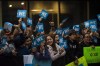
(53, 37)
(27, 38)
(28, 25)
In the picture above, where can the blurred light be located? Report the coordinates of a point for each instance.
(35, 10)
(10, 5)
(40, 10)
(22, 3)
(50, 10)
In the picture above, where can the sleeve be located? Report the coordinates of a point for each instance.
(63, 53)
(52, 54)
(59, 48)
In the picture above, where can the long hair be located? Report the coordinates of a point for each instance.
(53, 45)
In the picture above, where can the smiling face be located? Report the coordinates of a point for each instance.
(49, 40)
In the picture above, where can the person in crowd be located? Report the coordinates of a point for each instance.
(62, 57)
(42, 55)
(95, 37)
(7, 42)
(86, 42)
(9, 48)
(54, 49)
(52, 29)
(59, 30)
(72, 43)
(29, 31)
(18, 36)
(25, 48)
(57, 39)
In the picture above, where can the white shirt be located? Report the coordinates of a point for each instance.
(52, 53)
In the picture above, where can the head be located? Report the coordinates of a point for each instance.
(42, 45)
(57, 38)
(39, 48)
(72, 36)
(27, 41)
(87, 38)
(7, 32)
(50, 40)
(28, 31)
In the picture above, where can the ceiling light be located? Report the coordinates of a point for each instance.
(10, 5)
(22, 3)
(40, 10)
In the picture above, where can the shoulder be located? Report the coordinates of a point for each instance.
(57, 46)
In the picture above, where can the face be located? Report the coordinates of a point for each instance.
(87, 38)
(28, 41)
(49, 40)
(42, 44)
(73, 37)
(57, 38)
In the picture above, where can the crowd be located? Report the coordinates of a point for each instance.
(18, 42)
